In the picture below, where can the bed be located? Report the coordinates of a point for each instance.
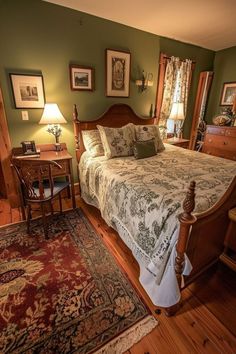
(170, 232)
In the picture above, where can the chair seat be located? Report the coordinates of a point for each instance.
(58, 187)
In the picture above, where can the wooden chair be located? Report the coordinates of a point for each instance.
(38, 186)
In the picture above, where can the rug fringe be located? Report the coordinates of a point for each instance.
(127, 339)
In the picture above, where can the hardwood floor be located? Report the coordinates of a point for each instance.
(206, 322)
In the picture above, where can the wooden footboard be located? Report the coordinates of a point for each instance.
(208, 233)
(201, 236)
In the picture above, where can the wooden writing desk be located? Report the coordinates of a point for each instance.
(63, 158)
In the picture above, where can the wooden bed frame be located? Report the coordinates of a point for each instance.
(201, 236)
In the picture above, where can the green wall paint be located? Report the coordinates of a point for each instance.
(39, 37)
(224, 71)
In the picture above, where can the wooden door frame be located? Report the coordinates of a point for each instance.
(5, 158)
(204, 85)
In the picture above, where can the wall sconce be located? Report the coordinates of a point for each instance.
(53, 118)
(146, 80)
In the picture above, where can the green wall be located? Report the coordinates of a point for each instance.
(39, 37)
(224, 71)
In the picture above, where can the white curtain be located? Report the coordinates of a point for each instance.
(176, 89)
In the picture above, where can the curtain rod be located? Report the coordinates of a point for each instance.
(168, 57)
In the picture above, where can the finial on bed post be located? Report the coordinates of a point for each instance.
(186, 220)
(76, 127)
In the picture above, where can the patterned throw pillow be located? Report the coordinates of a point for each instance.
(92, 142)
(117, 141)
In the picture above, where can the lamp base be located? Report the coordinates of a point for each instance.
(58, 147)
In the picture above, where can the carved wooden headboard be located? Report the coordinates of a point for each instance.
(116, 116)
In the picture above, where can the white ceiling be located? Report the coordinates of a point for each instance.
(206, 23)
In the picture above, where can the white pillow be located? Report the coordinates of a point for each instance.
(92, 142)
(117, 141)
(147, 132)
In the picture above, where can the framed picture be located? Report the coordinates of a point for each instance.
(117, 73)
(28, 90)
(81, 78)
(228, 94)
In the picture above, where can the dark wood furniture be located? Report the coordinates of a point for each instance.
(229, 255)
(201, 236)
(220, 141)
(184, 143)
(48, 152)
(38, 185)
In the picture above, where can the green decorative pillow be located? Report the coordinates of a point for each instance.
(143, 149)
(148, 132)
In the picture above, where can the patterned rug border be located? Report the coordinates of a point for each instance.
(128, 338)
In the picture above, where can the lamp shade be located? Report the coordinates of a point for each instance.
(52, 115)
(177, 111)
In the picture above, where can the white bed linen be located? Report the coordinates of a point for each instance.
(141, 200)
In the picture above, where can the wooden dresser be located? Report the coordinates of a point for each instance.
(220, 141)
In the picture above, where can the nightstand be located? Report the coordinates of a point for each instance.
(184, 143)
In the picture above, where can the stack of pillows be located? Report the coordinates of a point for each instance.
(139, 140)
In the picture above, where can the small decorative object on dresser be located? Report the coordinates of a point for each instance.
(222, 119)
(220, 141)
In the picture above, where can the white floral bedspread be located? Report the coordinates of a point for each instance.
(142, 198)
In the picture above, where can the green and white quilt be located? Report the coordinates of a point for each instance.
(142, 198)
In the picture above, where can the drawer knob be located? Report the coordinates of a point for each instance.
(225, 143)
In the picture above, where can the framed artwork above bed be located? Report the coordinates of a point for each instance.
(81, 78)
(117, 73)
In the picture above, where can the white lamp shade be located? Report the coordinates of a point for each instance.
(177, 111)
(52, 115)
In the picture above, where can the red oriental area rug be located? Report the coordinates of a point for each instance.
(65, 294)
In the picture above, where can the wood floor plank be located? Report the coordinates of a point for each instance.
(197, 328)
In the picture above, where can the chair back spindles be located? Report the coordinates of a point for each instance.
(38, 185)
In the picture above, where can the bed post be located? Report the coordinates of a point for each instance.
(186, 220)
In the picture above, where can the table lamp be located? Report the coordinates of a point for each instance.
(177, 114)
(53, 117)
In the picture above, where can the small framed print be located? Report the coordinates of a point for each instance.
(28, 90)
(228, 94)
(81, 78)
(117, 73)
